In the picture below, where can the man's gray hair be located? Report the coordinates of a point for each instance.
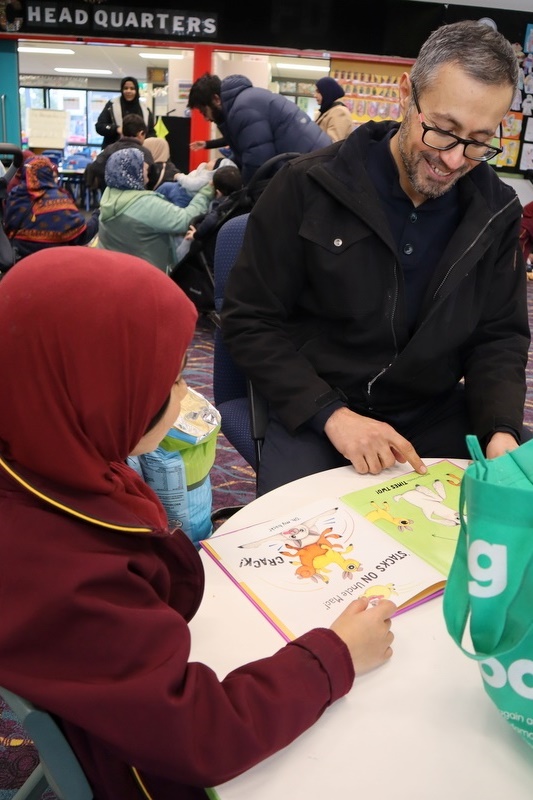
(481, 52)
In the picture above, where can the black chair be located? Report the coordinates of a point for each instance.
(243, 412)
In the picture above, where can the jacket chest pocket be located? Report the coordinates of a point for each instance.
(335, 236)
(350, 272)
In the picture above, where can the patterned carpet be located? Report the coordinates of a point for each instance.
(233, 484)
(233, 480)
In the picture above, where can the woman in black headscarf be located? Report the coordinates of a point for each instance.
(109, 123)
(333, 116)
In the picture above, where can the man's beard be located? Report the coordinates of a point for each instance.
(217, 115)
(423, 185)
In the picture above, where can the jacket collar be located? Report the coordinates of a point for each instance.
(98, 510)
(343, 175)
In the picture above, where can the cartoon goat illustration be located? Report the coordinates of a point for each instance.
(302, 534)
(306, 555)
(329, 557)
(431, 502)
(383, 512)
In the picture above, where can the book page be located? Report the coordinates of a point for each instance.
(303, 569)
(419, 511)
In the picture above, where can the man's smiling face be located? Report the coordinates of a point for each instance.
(453, 102)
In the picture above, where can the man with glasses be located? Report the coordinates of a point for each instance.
(379, 301)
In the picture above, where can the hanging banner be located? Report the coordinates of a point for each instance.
(82, 18)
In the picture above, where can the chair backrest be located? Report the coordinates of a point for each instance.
(243, 411)
(228, 380)
(76, 161)
(58, 764)
(55, 156)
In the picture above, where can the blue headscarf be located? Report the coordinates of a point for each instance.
(124, 169)
(330, 91)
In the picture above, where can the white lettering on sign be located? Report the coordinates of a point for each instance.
(489, 580)
(147, 20)
(177, 25)
(158, 21)
(33, 13)
(100, 17)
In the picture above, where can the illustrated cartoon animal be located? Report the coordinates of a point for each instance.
(431, 503)
(383, 512)
(304, 533)
(375, 593)
(329, 557)
(309, 552)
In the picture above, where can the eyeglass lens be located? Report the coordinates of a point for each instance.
(440, 140)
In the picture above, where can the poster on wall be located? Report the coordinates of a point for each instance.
(516, 129)
(369, 95)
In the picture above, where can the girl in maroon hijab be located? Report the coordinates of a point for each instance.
(99, 590)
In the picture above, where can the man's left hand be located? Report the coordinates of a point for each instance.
(500, 444)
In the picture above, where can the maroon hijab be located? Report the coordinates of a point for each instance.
(91, 342)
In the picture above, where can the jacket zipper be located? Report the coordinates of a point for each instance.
(371, 383)
(470, 246)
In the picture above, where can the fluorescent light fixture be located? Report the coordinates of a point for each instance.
(56, 51)
(307, 67)
(162, 56)
(80, 71)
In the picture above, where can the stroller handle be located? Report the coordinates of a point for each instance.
(12, 150)
(16, 152)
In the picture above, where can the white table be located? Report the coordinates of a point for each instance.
(419, 728)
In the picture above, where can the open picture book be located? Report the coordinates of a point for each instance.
(394, 540)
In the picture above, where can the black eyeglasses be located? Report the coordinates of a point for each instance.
(443, 140)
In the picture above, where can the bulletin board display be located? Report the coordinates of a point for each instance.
(517, 125)
(515, 134)
(46, 128)
(371, 88)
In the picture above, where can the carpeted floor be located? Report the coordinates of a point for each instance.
(233, 483)
(233, 480)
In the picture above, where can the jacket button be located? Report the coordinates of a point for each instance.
(408, 249)
(337, 242)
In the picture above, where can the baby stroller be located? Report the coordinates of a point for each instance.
(194, 274)
(8, 255)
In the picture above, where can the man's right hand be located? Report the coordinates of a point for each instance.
(370, 445)
(198, 145)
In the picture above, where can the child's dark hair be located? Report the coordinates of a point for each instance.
(133, 124)
(227, 180)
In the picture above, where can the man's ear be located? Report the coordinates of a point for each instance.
(404, 85)
(216, 102)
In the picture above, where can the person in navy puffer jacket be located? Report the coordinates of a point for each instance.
(257, 124)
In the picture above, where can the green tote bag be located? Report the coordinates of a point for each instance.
(489, 592)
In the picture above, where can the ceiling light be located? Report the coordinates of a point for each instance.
(162, 56)
(56, 51)
(70, 70)
(303, 66)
